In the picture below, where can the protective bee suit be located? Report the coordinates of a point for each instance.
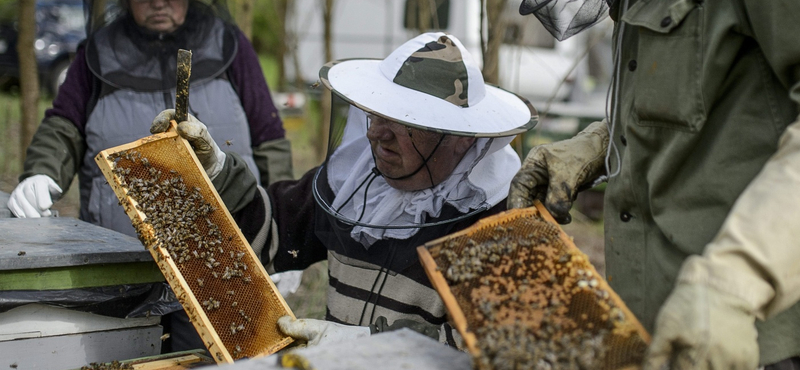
(701, 151)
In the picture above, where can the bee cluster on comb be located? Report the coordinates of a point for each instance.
(113, 365)
(530, 299)
(210, 266)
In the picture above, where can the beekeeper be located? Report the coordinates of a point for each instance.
(701, 152)
(424, 152)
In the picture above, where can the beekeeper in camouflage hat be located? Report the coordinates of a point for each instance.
(432, 88)
(423, 151)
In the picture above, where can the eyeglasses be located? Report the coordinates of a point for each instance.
(414, 133)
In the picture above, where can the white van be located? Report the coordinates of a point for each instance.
(532, 63)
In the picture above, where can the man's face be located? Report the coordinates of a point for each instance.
(393, 146)
(159, 15)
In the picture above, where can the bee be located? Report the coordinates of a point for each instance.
(21, 253)
(294, 253)
(228, 142)
(315, 85)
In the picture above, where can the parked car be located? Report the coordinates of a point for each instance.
(60, 26)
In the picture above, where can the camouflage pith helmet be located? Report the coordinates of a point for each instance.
(431, 82)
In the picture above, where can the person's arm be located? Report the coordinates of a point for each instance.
(271, 150)
(750, 269)
(56, 150)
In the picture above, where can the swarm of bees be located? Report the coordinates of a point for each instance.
(179, 219)
(534, 303)
(113, 365)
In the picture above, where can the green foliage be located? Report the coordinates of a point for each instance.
(269, 66)
(9, 10)
(10, 125)
(266, 37)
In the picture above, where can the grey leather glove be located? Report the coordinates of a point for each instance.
(553, 173)
(700, 327)
(196, 133)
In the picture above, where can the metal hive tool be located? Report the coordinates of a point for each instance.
(523, 296)
(182, 221)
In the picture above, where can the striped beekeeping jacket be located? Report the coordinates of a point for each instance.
(290, 232)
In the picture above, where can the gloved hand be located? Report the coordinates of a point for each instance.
(552, 173)
(700, 327)
(382, 325)
(196, 133)
(33, 197)
(320, 331)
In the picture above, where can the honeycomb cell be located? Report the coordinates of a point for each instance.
(181, 220)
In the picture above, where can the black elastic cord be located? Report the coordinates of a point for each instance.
(372, 289)
(424, 161)
(376, 173)
(380, 290)
(372, 175)
(318, 197)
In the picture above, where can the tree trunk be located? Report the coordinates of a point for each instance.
(243, 13)
(281, 8)
(495, 31)
(419, 14)
(29, 77)
(326, 101)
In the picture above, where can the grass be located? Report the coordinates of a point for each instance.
(10, 121)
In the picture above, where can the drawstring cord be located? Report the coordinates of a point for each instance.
(385, 265)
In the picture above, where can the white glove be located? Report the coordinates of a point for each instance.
(196, 133)
(700, 327)
(33, 197)
(320, 331)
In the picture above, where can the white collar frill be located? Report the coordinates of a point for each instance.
(481, 179)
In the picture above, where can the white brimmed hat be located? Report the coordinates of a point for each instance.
(430, 82)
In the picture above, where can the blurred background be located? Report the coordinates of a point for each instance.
(567, 82)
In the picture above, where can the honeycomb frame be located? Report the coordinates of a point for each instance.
(210, 271)
(554, 293)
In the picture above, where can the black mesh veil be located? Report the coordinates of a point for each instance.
(99, 13)
(565, 18)
(124, 54)
(324, 197)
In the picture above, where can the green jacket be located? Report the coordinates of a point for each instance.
(705, 91)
